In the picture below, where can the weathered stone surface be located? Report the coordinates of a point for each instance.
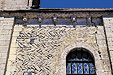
(108, 23)
(6, 25)
(15, 4)
(43, 55)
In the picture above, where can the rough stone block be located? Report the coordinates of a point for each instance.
(3, 55)
(2, 67)
(2, 60)
(4, 32)
(100, 37)
(14, 45)
(7, 26)
(2, 72)
(13, 51)
(1, 27)
(3, 49)
(12, 57)
(11, 68)
(8, 73)
(111, 47)
(5, 37)
(9, 19)
(4, 42)
(1, 18)
(9, 63)
(15, 33)
(17, 28)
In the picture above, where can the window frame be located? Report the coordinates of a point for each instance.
(89, 57)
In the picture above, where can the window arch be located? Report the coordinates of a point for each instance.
(80, 62)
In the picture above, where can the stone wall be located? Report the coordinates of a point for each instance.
(15, 4)
(2, 4)
(40, 49)
(6, 26)
(108, 23)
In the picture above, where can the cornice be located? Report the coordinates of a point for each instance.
(60, 10)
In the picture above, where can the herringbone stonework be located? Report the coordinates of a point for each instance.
(36, 41)
(42, 55)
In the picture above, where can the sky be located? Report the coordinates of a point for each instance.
(76, 3)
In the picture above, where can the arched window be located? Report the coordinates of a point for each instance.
(80, 62)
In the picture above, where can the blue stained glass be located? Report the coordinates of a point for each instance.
(86, 68)
(80, 68)
(92, 69)
(84, 59)
(80, 59)
(74, 59)
(68, 70)
(74, 68)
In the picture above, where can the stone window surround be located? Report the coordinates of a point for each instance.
(87, 60)
(80, 45)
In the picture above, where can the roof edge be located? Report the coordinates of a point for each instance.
(59, 9)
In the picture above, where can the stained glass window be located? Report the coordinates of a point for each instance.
(69, 68)
(74, 68)
(86, 68)
(80, 62)
(80, 68)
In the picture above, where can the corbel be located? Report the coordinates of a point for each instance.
(89, 20)
(54, 19)
(25, 20)
(74, 20)
(39, 19)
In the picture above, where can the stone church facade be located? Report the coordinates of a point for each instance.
(37, 41)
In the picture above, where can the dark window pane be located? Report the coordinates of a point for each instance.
(73, 56)
(79, 57)
(85, 56)
(90, 59)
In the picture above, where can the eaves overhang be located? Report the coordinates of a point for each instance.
(59, 10)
